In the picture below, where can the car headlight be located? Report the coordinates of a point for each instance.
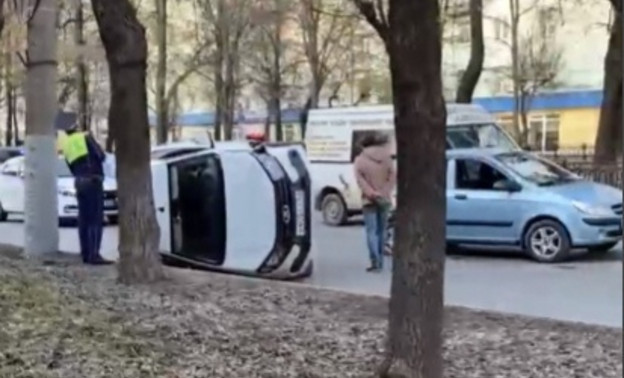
(596, 211)
(67, 193)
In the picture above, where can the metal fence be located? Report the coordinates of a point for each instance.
(607, 174)
(580, 161)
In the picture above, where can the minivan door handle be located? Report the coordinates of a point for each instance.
(461, 196)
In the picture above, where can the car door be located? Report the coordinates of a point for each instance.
(477, 212)
(161, 193)
(12, 186)
(196, 207)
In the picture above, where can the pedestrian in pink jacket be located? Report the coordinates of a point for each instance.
(376, 178)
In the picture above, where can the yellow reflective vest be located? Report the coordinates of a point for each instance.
(75, 147)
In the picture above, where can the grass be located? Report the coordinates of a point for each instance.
(46, 334)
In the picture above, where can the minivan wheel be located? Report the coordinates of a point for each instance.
(334, 210)
(547, 241)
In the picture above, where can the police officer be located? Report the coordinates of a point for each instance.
(85, 159)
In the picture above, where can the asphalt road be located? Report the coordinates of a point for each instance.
(588, 289)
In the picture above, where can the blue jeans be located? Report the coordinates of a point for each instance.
(375, 223)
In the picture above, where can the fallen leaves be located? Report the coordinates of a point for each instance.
(75, 321)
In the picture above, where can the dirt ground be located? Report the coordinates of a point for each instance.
(62, 319)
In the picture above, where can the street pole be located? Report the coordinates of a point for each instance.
(41, 215)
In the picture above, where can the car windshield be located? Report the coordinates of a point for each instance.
(62, 170)
(484, 135)
(539, 171)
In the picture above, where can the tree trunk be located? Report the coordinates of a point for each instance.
(515, 67)
(9, 93)
(2, 20)
(82, 72)
(162, 118)
(277, 87)
(470, 78)
(416, 300)
(219, 104)
(525, 132)
(230, 91)
(303, 117)
(40, 204)
(609, 136)
(15, 131)
(125, 44)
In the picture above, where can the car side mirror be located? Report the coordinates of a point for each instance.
(508, 186)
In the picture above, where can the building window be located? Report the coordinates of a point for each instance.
(289, 132)
(544, 132)
(502, 32)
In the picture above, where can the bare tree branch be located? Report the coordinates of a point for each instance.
(371, 12)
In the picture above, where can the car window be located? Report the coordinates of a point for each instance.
(487, 135)
(537, 170)
(173, 152)
(473, 174)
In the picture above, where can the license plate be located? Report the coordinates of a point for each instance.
(110, 203)
(300, 229)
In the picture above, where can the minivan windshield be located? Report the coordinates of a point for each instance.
(483, 135)
(537, 170)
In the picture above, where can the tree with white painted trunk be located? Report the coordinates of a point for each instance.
(41, 215)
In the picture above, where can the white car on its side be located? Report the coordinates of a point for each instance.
(232, 208)
(12, 191)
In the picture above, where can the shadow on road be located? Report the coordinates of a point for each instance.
(576, 257)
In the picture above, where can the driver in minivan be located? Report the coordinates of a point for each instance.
(376, 178)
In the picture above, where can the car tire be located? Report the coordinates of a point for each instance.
(547, 241)
(3, 214)
(602, 248)
(334, 210)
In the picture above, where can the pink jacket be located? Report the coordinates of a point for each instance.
(375, 173)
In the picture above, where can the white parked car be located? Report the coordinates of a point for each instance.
(12, 191)
(235, 209)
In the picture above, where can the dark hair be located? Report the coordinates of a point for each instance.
(374, 138)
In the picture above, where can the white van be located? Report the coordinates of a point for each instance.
(332, 143)
(235, 208)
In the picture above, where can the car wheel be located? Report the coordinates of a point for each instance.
(547, 241)
(334, 210)
(3, 214)
(603, 248)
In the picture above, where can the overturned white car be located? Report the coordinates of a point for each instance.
(239, 210)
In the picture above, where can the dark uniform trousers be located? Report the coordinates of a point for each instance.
(90, 196)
